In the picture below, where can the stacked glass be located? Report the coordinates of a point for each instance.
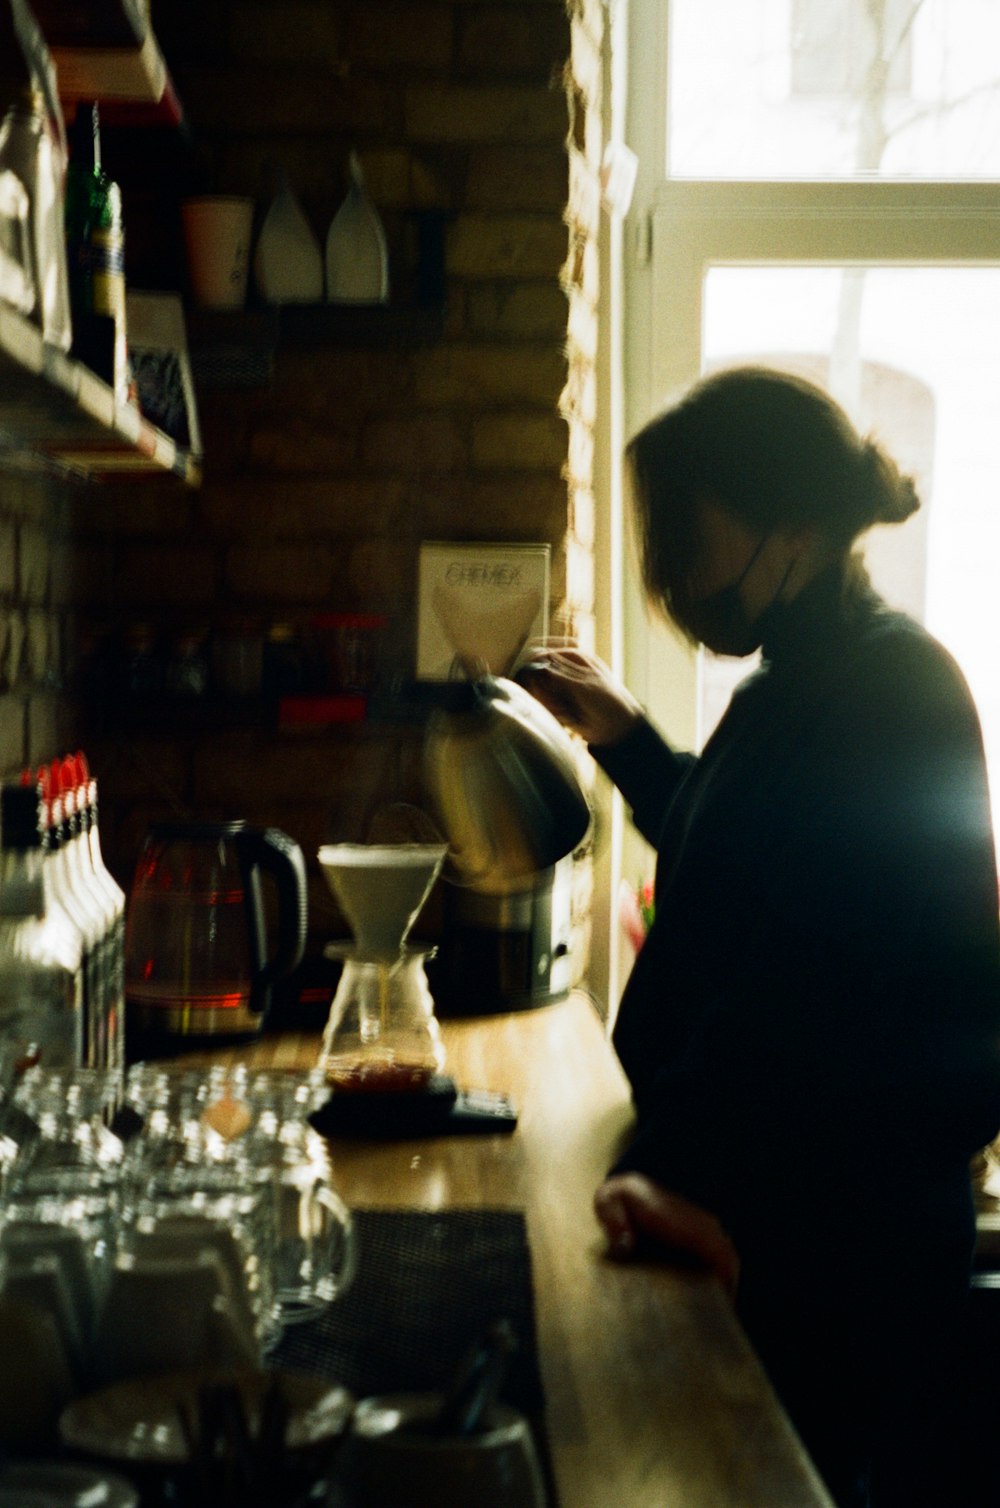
(191, 1239)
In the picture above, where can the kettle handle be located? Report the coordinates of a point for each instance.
(273, 851)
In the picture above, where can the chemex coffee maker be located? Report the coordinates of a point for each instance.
(509, 806)
(382, 1035)
(382, 1052)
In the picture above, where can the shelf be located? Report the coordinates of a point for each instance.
(236, 348)
(105, 50)
(358, 324)
(56, 416)
(210, 713)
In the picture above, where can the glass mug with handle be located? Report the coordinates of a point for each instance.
(167, 1313)
(251, 1127)
(266, 1114)
(180, 1199)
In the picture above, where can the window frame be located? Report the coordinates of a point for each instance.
(680, 227)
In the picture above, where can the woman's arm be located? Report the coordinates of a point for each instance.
(636, 1212)
(584, 694)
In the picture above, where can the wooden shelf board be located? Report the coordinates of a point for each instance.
(361, 324)
(58, 409)
(237, 348)
(314, 325)
(111, 73)
(106, 50)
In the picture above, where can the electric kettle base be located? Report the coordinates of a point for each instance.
(505, 953)
(167, 1031)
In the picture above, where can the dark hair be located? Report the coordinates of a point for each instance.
(775, 450)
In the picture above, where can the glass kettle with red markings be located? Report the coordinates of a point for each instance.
(205, 942)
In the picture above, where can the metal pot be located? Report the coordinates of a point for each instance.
(502, 774)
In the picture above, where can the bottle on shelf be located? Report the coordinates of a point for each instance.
(68, 896)
(41, 949)
(142, 662)
(186, 673)
(283, 668)
(111, 901)
(32, 165)
(288, 263)
(18, 281)
(95, 254)
(357, 258)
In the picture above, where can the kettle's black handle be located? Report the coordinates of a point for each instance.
(275, 853)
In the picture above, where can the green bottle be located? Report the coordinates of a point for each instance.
(95, 254)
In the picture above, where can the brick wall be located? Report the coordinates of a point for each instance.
(35, 588)
(321, 482)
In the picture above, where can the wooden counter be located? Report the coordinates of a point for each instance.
(654, 1398)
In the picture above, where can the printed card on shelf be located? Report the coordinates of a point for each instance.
(478, 605)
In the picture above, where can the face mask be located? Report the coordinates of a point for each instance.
(720, 621)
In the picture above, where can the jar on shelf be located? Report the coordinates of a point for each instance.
(350, 645)
(142, 662)
(186, 671)
(283, 670)
(238, 657)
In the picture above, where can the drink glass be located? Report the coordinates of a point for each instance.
(314, 1254)
(67, 1147)
(70, 1235)
(217, 234)
(176, 1204)
(170, 1103)
(40, 1281)
(167, 1313)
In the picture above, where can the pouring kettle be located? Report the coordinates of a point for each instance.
(197, 960)
(501, 773)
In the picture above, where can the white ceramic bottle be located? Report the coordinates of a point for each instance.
(357, 260)
(288, 263)
(32, 164)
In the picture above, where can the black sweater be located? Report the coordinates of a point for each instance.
(817, 1005)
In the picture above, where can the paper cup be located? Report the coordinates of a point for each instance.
(217, 231)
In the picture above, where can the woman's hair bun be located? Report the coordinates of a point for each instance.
(885, 494)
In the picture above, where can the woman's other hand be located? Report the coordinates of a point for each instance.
(581, 692)
(635, 1211)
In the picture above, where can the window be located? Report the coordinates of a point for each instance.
(831, 41)
(832, 88)
(928, 387)
(827, 202)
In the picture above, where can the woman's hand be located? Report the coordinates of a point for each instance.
(581, 692)
(632, 1208)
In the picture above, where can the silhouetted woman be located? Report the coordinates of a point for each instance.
(811, 1027)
